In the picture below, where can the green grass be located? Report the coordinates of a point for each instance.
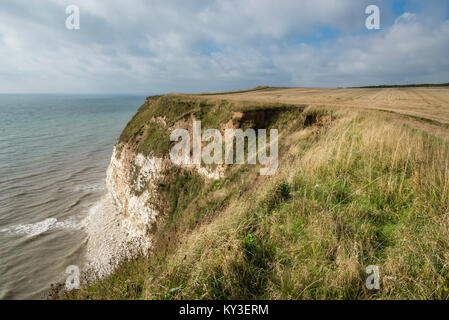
(410, 85)
(360, 189)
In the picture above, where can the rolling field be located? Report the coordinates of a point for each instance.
(425, 108)
(429, 103)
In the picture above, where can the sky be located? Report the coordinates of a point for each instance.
(151, 47)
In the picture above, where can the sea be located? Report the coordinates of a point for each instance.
(54, 151)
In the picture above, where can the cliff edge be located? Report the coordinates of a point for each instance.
(352, 188)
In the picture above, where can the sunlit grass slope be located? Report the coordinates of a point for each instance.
(354, 188)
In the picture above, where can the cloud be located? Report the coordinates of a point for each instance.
(410, 51)
(139, 46)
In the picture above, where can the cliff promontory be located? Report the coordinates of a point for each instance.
(351, 189)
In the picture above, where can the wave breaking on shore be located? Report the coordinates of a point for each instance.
(110, 241)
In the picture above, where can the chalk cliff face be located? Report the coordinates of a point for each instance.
(144, 185)
(127, 175)
(131, 181)
(119, 227)
(122, 226)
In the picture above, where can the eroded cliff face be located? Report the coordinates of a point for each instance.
(131, 183)
(119, 227)
(123, 226)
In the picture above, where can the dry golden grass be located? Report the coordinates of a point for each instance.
(430, 103)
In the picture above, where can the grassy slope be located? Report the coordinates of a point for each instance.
(361, 190)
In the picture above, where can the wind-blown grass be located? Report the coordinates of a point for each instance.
(361, 189)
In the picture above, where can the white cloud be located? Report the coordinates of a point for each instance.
(153, 46)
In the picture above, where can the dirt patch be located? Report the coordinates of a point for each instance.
(317, 119)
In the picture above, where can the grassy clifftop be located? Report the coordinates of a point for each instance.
(353, 189)
(149, 127)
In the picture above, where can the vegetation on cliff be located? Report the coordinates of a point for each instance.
(353, 188)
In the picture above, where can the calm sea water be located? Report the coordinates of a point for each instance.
(54, 151)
